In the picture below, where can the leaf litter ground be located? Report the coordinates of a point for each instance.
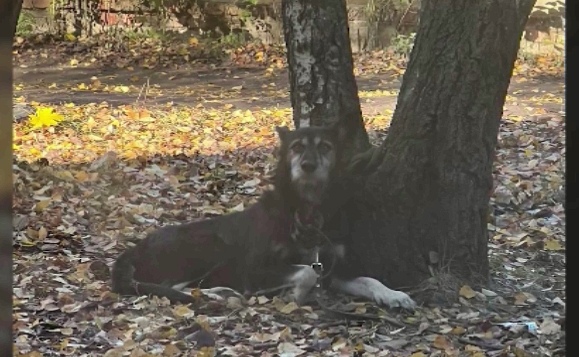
(195, 140)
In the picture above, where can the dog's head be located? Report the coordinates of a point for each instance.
(307, 160)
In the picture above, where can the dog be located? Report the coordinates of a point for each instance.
(270, 245)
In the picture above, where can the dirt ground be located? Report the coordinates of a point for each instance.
(216, 87)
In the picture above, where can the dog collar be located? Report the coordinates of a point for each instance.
(307, 230)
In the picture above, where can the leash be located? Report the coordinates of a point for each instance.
(315, 235)
(319, 269)
(311, 236)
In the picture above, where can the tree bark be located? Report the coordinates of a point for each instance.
(425, 209)
(10, 11)
(12, 14)
(322, 84)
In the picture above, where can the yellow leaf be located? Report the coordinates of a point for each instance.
(27, 242)
(90, 123)
(67, 331)
(184, 129)
(467, 292)
(193, 41)
(418, 354)
(203, 322)
(196, 293)
(64, 344)
(122, 89)
(440, 342)
(34, 152)
(69, 37)
(208, 143)
(289, 308)
(45, 117)
(206, 352)
(94, 137)
(248, 117)
(32, 354)
(183, 311)
(259, 56)
(82, 176)
(73, 62)
(164, 332)
(64, 175)
(171, 350)
(520, 298)
(471, 348)
(40, 206)
(42, 233)
(552, 244)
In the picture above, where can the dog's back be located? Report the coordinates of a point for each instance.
(236, 249)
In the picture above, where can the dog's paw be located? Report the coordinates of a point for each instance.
(303, 281)
(394, 298)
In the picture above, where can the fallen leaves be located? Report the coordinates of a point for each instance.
(549, 326)
(127, 197)
(441, 342)
(467, 292)
(92, 131)
(523, 298)
(86, 185)
(543, 64)
(552, 244)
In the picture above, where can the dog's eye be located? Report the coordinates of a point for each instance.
(325, 147)
(298, 147)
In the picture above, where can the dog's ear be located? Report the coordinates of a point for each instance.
(282, 132)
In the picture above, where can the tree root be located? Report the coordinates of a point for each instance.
(367, 161)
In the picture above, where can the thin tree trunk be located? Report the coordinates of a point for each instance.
(9, 12)
(322, 84)
(13, 14)
(426, 208)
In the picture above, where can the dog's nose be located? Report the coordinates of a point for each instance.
(308, 166)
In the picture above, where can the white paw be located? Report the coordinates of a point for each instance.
(303, 280)
(393, 298)
(372, 289)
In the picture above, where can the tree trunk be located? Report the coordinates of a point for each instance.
(12, 14)
(322, 84)
(426, 207)
(10, 11)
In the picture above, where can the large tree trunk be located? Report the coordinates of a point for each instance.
(426, 208)
(322, 84)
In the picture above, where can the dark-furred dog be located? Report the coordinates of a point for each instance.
(267, 245)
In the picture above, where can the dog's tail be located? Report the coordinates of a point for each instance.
(123, 282)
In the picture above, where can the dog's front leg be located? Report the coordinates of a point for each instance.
(374, 290)
(303, 278)
(300, 279)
